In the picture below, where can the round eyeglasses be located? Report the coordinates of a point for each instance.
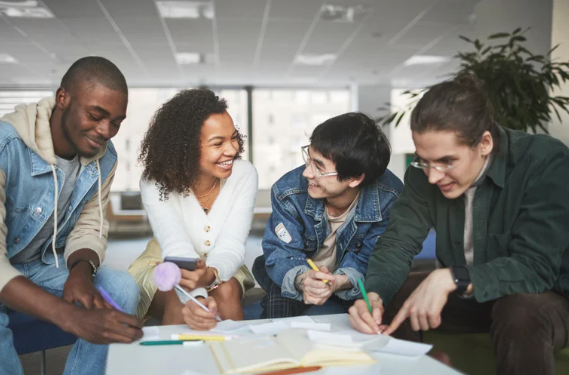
(309, 163)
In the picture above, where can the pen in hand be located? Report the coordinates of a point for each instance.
(107, 297)
(315, 268)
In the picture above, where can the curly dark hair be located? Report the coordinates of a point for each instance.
(170, 150)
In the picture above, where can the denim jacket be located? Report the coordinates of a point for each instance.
(306, 223)
(27, 196)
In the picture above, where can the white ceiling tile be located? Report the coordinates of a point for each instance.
(295, 9)
(249, 9)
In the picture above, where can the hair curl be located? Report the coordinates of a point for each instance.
(170, 150)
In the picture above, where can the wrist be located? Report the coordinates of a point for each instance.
(62, 315)
(82, 269)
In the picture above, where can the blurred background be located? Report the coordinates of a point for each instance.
(284, 67)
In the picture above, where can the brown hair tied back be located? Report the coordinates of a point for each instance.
(460, 105)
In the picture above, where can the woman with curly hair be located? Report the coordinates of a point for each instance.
(199, 197)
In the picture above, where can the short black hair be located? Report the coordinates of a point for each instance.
(460, 105)
(170, 150)
(94, 69)
(355, 143)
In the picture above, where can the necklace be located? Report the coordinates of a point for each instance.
(208, 193)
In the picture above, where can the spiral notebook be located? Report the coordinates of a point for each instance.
(291, 348)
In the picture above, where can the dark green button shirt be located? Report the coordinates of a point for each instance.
(520, 224)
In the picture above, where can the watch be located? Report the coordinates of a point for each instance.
(216, 282)
(77, 261)
(461, 278)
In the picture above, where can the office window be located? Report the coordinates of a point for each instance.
(276, 149)
(10, 99)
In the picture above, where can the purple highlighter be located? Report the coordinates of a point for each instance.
(107, 297)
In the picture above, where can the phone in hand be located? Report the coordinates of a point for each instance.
(188, 264)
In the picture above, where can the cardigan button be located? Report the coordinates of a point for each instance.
(17, 240)
(207, 228)
(207, 243)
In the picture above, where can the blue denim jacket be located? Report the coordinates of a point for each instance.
(30, 192)
(306, 222)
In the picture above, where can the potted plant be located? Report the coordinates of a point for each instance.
(519, 84)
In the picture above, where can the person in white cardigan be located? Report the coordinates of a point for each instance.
(199, 197)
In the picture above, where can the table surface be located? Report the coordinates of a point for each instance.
(184, 360)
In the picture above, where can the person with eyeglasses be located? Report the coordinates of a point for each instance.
(331, 210)
(499, 202)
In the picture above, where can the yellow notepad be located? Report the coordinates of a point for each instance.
(291, 348)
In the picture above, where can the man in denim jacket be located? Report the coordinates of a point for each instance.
(56, 168)
(332, 210)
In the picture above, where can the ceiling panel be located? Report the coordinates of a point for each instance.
(295, 9)
(285, 32)
(130, 8)
(248, 9)
(74, 8)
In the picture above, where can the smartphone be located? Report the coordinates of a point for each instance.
(188, 264)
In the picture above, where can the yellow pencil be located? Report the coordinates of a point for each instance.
(183, 337)
(313, 266)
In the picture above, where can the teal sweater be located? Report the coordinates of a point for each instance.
(520, 224)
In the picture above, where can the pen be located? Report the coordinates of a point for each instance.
(167, 342)
(194, 337)
(107, 297)
(313, 266)
(363, 290)
(196, 301)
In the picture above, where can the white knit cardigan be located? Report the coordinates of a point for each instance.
(183, 229)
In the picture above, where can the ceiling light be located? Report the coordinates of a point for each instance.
(187, 58)
(342, 13)
(324, 59)
(426, 60)
(24, 9)
(7, 59)
(185, 9)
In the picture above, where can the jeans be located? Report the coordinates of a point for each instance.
(526, 329)
(85, 358)
(276, 306)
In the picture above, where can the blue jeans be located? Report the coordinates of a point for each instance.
(84, 358)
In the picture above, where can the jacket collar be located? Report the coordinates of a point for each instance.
(497, 169)
(368, 208)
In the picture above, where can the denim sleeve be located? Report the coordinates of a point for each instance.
(353, 275)
(287, 288)
(284, 252)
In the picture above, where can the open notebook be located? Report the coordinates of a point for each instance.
(291, 348)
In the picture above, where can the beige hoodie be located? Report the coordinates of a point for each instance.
(31, 121)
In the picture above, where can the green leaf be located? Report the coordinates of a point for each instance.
(465, 38)
(499, 35)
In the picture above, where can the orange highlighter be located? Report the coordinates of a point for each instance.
(313, 266)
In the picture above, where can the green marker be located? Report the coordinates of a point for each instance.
(363, 290)
(165, 342)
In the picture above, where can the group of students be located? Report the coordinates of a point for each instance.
(497, 198)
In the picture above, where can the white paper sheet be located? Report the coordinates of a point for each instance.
(312, 326)
(407, 348)
(379, 343)
(230, 326)
(273, 328)
(150, 333)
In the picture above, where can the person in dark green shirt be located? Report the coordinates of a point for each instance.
(499, 202)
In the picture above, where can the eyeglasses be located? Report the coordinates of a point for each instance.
(308, 163)
(439, 167)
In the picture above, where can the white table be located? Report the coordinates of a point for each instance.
(136, 359)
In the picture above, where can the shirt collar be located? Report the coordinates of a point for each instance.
(497, 169)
